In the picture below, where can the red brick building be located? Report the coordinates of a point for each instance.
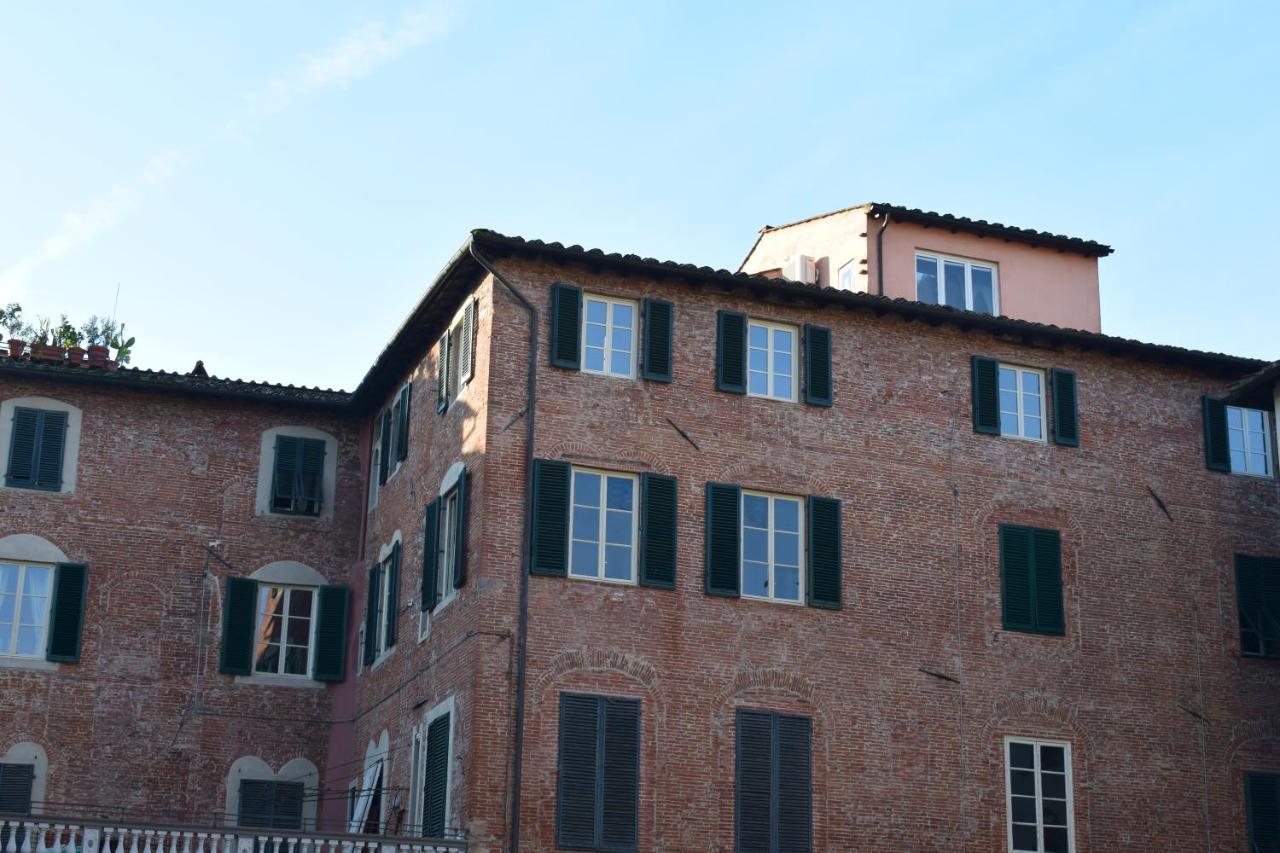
(635, 555)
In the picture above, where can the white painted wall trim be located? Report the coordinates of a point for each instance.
(29, 548)
(71, 450)
(33, 754)
(294, 770)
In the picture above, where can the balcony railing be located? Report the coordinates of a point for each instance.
(49, 835)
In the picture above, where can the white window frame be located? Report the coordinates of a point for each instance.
(446, 547)
(771, 356)
(70, 446)
(1035, 744)
(969, 264)
(1245, 441)
(23, 565)
(742, 552)
(850, 271)
(384, 593)
(396, 464)
(603, 516)
(284, 628)
(1019, 372)
(417, 777)
(610, 303)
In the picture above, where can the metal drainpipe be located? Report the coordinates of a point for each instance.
(880, 254)
(531, 394)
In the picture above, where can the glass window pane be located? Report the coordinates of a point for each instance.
(617, 562)
(927, 280)
(1253, 419)
(31, 610)
(299, 632)
(758, 336)
(786, 515)
(758, 360)
(782, 386)
(1009, 402)
(300, 602)
(1235, 417)
(1023, 809)
(1031, 382)
(1055, 840)
(618, 527)
(593, 359)
(1022, 755)
(584, 559)
(1024, 838)
(622, 317)
(1051, 758)
(782, 364)
(35, 581)
(597, 311)
(31, 640)
(758, 384)
(1008, 379)
(1031, 428)
(1055, 812)
(620, 492)
(7, 606)
(586, 488)
(594, 335)
(295, 660)
(1257, 463)
(755, 545)
(953, 274)
(1237, 461)
(782, 341)
(620, 363)
(983, 290)
(1022, 782)
(8, 578)
(755, 579)
(1054, 785)
(786, 583)
(786, 549)
(586, 523)
(755, 511)
(1008, 424)
(268, 658)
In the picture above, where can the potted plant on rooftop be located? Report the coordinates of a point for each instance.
(68, 337)
(98, 332)
(19, 332)
(123, 347)
(41, 347)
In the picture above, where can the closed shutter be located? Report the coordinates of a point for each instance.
(436, 782)
(724, 510)
(53, 437)
(1262, 804)
(402, 438)
(550, 518)
(459, 567)
(577, 789)
(794, 795)
(285, 476)
(286, 805)
(384, 462)
(1217, 449)
(393, 595)
(1047, 555)
(467, 343)
(658, 335)
(825, 565)
(1258, 603)
(442, 374)
(774, 777)
(371, 615)
(731, 352)
(331, 633)
(37, 440)
(22, 448)
(1031, 579)
(986, 395)
(754, 782)
(566, 326)
(1066, 425)
(16, 784)
(239, 612)
(429, 593)
(271, 805)
(817, 366)
(658, 524)
(66, 611)
(311, 490)
(620, 771)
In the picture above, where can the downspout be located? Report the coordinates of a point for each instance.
(522, 629)
(880, 255)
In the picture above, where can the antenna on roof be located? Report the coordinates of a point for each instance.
(116, 304)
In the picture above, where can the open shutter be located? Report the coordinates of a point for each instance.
(754, 802)
(1066, 425)
(371, 615)
(724, 511)
(285, 475)
(825, 567)
(429, 593)
(817, 366)
(311, 489)
(397, 420)
(566, 326)
(1015, 578)
(620, 772)
(1047, 557)
(1217, 450)
(658, 530)
(459, 567)
(576, 800)
(986, 395)
(442, 374)
(53, 438)
(467, 342)
(239, 612)
(550, 518)
(794, 794)
(16, 784)
(402, 437)
(1262, 804)
(384, 461)
(436, 782)
(731, 352)
(331, 633)
(66, 611)
(657, 340)
(22, 448)
(393, 595)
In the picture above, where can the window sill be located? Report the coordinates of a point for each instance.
(609, 581)
(771, 397)
(607, 375)
(36, 489)
(426, 618)
(37, 664)
(1040, 441)
(381, 659)
(788, 602)
(267, 680)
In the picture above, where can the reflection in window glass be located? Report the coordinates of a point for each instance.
(603, 526)
(24, 608)
(1249, 439)
(963, 284)
(608, 336)
(1022, 402)
(771, 361)
(771, 547)
(283, 643)
(927, 279)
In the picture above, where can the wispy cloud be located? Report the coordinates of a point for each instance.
(357, 54)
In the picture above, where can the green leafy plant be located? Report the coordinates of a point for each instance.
(11, 321)
(123, 346)
(98, 331)
(65, 334)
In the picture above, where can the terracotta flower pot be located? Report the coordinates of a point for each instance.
(51, 353)
(16, 348)
(75, 356)
(98, 355)
(111, 365)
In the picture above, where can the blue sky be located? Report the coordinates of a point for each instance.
(272, 186)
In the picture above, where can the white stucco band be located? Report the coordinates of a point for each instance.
(29, 548)
(267, 460)
(70, 450)
(33, 754)
(289, 573)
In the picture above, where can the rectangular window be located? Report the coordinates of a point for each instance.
(1262, 811)
(774, 778)
(36, 446)
(24, 608)
(1258, 601)
(283, 641)
(771, 360)
(297, 478)
(1249, 440)
(271, 805)
(956, 282)
(448, 537)
(1038, 785)
(16, 784)
(387, 602)
(602, 532)
(1031, 579)
(771, 546)
(608, 337)
(847, 273)
(598, 791)
(1022, 402)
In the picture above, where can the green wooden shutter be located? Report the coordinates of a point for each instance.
(566, 326)
(619, 800)
(794, 793)
(658, 337)
(753, 791)
(286, 805)
(455, 355)
(550, 518)
(825, 567)
(467, 342)
(1066, 424)
(66, 611)
(1017, 595)
(435, 791)
(311, 454)
(255, 803)
(402, 437)
(429, 594)
(16, 784)
(284, 477)
(459, 567)
(577, 794)
(397, 421)
(393, 595)
(724, 512)
(1262, 807)
(658, 523)
(239, 613)
(1217, 449)
(986, 395)
(332, 607)
(22, 448)
(53, 438)
(442, 374)
(1258, 604)
(384, 460)
(731, 352)
(817, 366)
(1047, 556)
(371, 615)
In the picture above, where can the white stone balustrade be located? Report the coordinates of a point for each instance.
(45, 835)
